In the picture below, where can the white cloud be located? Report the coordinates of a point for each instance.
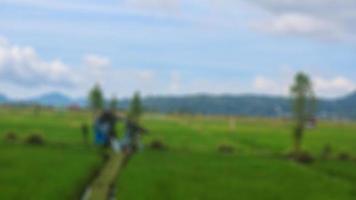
(96, 61)
(323, 87)
(145, 75)
(22, 65)
(333, 86)
(262, 84)
(299, 24)
(321, 19)
(24, 73)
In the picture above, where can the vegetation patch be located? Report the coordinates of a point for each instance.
(35, 139)
(226, 149)
(11, 137)
(158, 145)
(344, 156)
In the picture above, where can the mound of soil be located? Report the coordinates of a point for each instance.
(35, 139)
(158, 145)
(10, 137)
(226, 149)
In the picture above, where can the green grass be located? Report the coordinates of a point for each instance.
(189, 175)
(56, 126)
(41, 173)
(58, 170)
(192, 168)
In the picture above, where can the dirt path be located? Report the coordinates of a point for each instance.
(102, 186)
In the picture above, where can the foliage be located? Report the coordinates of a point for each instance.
(96, 99)
(114, 103)
(303, 107)
(135, 110)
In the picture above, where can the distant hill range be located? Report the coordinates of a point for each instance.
(247, 105)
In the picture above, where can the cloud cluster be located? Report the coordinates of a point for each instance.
(23, 72)
(337, 86)
(325, 87)
(22, 65)
(321, 19)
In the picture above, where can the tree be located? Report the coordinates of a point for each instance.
(304, 105)
(135, 109)
(96, 99)
(114, 102)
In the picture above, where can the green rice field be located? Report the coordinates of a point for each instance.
(189, 167)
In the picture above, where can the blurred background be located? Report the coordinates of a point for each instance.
(229, 99)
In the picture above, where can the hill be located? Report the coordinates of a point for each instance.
(51, 99)
(3, 98)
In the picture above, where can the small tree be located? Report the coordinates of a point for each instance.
(135, 109)
(113, 104)
(304, 105)
(96, 99)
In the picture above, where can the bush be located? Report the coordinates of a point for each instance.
(10, 137)
(303, 157)
(35, 139)
(344, 156)
(226, 149)
(158, 145)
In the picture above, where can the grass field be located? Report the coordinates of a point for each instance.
(190, 168)
(57, 170)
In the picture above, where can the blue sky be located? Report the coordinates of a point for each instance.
(163, 47)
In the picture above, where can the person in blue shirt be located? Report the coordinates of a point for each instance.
(105, 128)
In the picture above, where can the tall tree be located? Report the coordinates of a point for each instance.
(96, 99)
(114, 102)
(304, 105)
(135, 109)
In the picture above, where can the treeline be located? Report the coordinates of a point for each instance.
(246, 105)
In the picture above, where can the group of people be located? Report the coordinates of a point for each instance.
(106, 134)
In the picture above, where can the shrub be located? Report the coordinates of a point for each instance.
(35, 139)
(344, 156)
(303, 157)
(157, 145)
(10, 137)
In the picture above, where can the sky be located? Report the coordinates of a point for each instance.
(176, 47)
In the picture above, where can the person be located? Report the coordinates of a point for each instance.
(131, 141)
(105, 128)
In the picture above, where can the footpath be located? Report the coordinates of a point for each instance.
(103, 186)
